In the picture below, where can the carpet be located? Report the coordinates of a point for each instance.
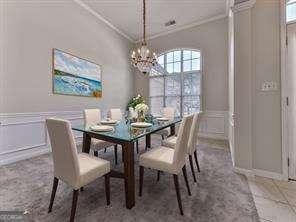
(220, 195)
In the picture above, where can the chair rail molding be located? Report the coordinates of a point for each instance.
(24, 135)
(214, 124)
(244, 5)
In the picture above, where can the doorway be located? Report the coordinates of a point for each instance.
(291, 98)
(289, 88)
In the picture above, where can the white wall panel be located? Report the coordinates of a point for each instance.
(23, 135)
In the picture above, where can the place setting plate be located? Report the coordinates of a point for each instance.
(101, 128)
(109, 122)
(162, 119)
(141, 124)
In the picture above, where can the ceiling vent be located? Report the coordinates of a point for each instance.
(169, 23)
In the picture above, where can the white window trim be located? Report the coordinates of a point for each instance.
(294, 20)
(201, 99)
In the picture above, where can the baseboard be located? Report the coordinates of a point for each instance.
(214, 124)
(268, 174)
(24, 135)
(231, 148)
(261, 173)
(217, 136)
(22, 155)
(246, 172)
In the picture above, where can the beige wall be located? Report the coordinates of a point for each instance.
(29, 30)
(243, 97)
(212, 39)
(266, 109)
(258, 113)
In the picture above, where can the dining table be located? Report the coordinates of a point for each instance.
(125, 134)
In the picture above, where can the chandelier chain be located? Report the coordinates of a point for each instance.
(144, 58)
(144, 22)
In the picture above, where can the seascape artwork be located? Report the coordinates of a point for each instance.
(75, 76)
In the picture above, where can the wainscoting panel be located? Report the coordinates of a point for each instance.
(214, 124)
(24, 135)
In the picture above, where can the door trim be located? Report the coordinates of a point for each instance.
(285, 147)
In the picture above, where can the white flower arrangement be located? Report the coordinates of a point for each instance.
(142, 107)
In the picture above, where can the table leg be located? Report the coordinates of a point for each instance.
(148, 141)
(86, 143)
(173, 129)
(129, 176)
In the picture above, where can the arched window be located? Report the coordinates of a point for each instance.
(176, 82)
(291, 11)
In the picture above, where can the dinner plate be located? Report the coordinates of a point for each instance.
(141, 124)
(163, 119)
(109, 122)
(102, 128)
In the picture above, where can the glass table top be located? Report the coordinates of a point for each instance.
(124, 131)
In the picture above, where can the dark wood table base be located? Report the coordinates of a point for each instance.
(148, 141)
(128, 174)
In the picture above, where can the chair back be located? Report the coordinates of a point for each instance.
(169, 112)
(182, 142)
(193, 136)
(92, 116)
(116, 114)
(64, 151)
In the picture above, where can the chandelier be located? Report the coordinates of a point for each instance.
(143, 58)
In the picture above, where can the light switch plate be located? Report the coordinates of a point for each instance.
(269, 86)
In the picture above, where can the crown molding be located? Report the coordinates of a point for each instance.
(191, 25)
(100, 17)
(243, 6)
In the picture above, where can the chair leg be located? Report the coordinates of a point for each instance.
(137, 146)
(107, 188)
(74, 205)
(186, 179)
(178, 193)
(115, 153)
(158, 175)
(53, 193)
(141, 180)
(196, 161)
(105, 150)
(96, 153)
(122, 154)
(192, 168)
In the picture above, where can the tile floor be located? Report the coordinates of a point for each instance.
(275, 200)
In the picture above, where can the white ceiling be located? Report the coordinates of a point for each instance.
(126, 15)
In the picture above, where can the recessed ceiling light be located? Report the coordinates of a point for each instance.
(169, 23)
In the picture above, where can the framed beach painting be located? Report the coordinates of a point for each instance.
(75, 76)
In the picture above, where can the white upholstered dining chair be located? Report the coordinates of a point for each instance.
(75, 169)
(169, 160)
(116, 114)
(91, 117)
(192, 143)
(168, 112)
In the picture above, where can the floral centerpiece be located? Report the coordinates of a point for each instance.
(138, 108)
(142, 110)
(135, 101)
